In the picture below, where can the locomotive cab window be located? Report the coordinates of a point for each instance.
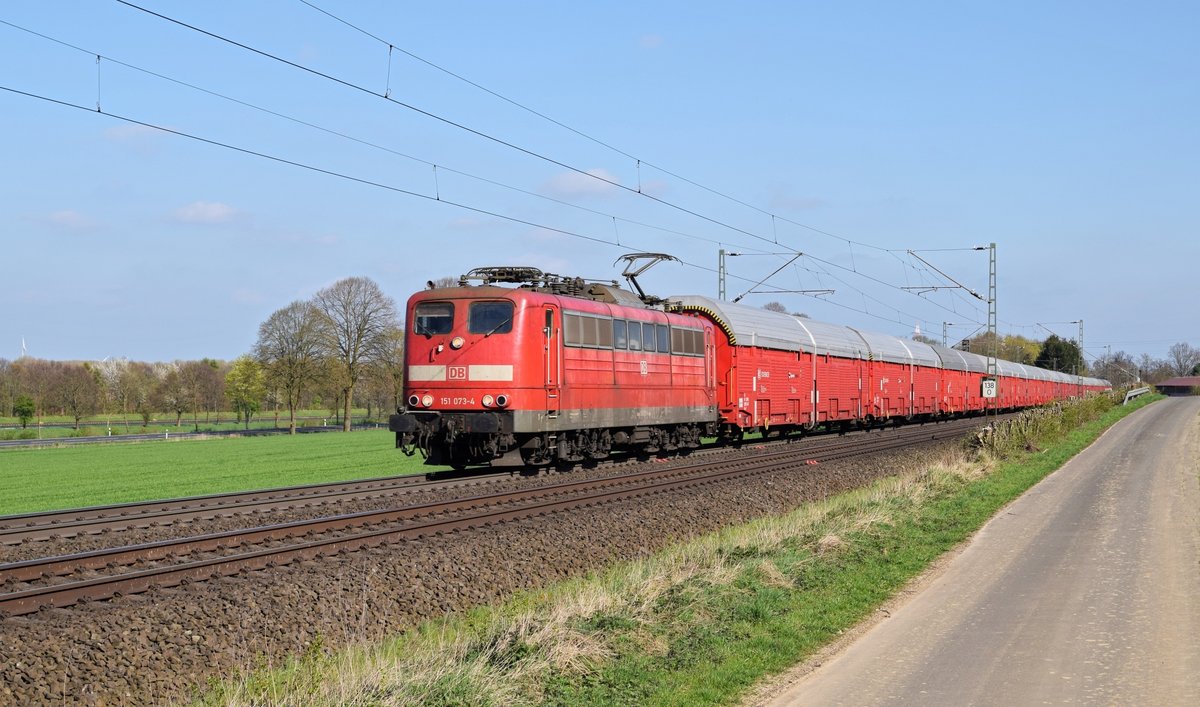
(490, 318)
(664, 338)
(433, 318)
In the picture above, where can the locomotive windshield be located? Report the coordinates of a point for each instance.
(490, 318)
(433, 318)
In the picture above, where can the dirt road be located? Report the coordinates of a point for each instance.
(1086, 590)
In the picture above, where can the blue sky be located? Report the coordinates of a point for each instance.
(853, 132)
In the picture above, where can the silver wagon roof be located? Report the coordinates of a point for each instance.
(753, 326)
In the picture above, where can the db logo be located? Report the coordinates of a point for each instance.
(457, 373)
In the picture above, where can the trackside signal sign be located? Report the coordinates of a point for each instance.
(987, 388)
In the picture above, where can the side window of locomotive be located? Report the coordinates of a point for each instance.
(572, 329)
(664, 338)
(587, 332)
(619, 340)
(604, 334)
(687, 342)
(635, 336)
(433, 318)
(490, 318)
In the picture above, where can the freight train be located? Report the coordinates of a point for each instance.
(516, 367)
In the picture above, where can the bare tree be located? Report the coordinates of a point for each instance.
(390, 369)
(775, 307)
(77, 390)
(35, 378)
(1182, 358)
(212, 387)
(1119, 369)
(8, 387)
(358, 316)
(1154, 370)
(289, 349)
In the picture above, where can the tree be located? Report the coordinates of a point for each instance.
(245, 386)
(357, 319)
(170, 390)
(775, 307)
(111, 372)
(77, 390)
(8, 387)
(1061, 355)
(1183, 358)
(212, 387)
(1154, 370)
(138, 382)
(24, 408)
(389, 368)
(1119, 369)
(1018, 349)
(289, 349)
(35, 378)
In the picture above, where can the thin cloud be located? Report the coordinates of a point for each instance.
(205, 212)
(125, 133)
(574, 184)
(70, 219)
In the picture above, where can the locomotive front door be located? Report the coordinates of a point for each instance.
(553, 359)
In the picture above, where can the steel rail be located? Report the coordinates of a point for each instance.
(97, 519)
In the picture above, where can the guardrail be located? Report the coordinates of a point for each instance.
(1134, 393)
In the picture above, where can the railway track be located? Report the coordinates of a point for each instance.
(67, 580)
(94, 520)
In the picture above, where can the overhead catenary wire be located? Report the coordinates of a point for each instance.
(773, 239)
(511, 145)
(375, 184)
(361, 141)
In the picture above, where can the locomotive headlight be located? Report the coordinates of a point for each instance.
(427, 400)
(488, 401)
(502, 400)
(413, 401)
(457, 342)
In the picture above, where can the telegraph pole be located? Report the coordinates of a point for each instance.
(721, 274)
(992, 347)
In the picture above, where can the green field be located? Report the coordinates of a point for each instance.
(99, 474)
(98, 426)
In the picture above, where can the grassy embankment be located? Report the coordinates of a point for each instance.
(99, 474)
(703, 622)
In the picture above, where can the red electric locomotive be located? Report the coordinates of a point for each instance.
(553, 370)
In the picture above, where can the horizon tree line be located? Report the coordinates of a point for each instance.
(341, 347)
